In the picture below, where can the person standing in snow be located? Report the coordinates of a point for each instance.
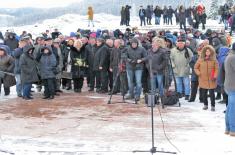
(142, 14)
(206, 69)
(229, 87)
(90, 14)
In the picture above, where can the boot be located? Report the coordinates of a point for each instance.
(128, 97)
(232, 134)
(213, 109)
(191, 100)
(218, 96)
(186, 97)
(91, 89)
(205, 107)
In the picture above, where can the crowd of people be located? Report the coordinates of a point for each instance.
(194, 16)
(200, 61)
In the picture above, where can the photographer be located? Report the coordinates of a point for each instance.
(134, 66)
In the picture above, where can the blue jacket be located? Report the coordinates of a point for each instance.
(16, 54)
(47, 64)
(193, 61)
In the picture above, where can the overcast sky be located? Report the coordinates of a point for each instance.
(35, 3)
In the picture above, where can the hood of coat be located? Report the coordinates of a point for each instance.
(213, 54)
(216, 42)
(27, 48)
(4, 48)
(134, 40)
(49, 48)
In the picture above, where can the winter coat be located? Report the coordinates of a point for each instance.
(202, 18)
(180, 63)
(182, 16)
(28, 65)
(142, 13)
(207, 70)
(127, 11)
(233, 22)
(158, 59)
(6, 65)
(12, 43)
(133, 55)
(223, 53)
(78, 58)
(90, 54)
(101, 58)
(158, 12)
(216, 44)
(148, 12)
(47, 64)
(123, 14)
(16, 54)
(90, 14)
(170, 12)
(115, 57)
(229, 66)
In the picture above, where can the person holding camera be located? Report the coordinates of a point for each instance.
(134, 67)
(29, 71)
(6, 65)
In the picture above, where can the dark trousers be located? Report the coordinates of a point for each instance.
(116, 80)
(66, 83)
(183, 25)
(123, 83)
(225, 98)
(94, 79)
(194, 88)
(169, 21)
(104, 80)
(142, 20)
(110, 77)
(145, 80)
(6, 89)
(128, 22)
(49, 85)
(205, 96)
(149, 20)
(165, 19)
(78, 83)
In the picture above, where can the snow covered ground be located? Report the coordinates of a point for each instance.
(68, 126)
(71, 22)
(95, 128)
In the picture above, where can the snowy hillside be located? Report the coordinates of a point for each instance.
(71, 22)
